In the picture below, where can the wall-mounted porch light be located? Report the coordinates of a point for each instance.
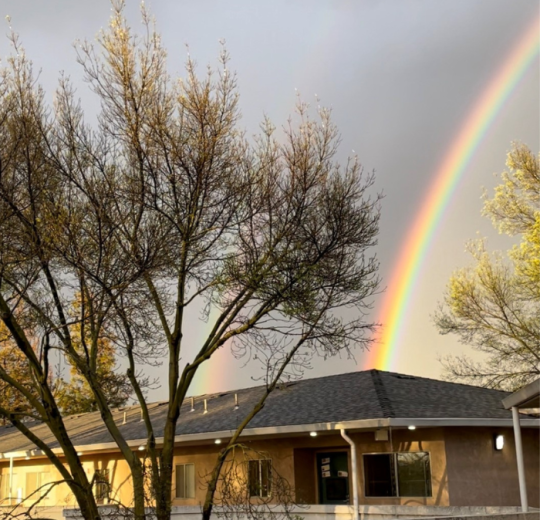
(498, 442)
(313, 434)
(218, 441)
(412, 427)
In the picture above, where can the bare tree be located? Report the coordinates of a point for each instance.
(274, 497)
(163, 206)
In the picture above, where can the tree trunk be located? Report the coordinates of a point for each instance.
(86, 501)
(212, 485)
(163, 484)
(137, 478)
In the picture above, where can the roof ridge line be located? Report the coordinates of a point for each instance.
(382, 396)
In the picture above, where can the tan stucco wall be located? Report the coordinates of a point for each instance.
(431, 440)
(479, 475)
(204, 458)
(464, 467)
(60, 495)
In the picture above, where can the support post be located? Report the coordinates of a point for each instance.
(354, 464)
(519, 457)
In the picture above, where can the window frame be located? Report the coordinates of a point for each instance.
(176, 466)
(11, 494)
(260, 475)
(428, 453)
(100, 483)
(394, 455)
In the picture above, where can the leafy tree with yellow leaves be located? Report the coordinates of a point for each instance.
(13, 362)
(494, 306)
(73, 393)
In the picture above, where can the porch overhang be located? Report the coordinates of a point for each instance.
(527, 397)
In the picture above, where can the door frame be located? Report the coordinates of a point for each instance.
(330, 449)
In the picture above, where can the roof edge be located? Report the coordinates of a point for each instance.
(364, 424)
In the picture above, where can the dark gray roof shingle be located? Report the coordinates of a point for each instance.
(371, 394)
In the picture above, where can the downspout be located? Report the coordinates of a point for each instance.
(354, 465)
(11, 480)
(519, 457)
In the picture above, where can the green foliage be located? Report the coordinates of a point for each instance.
(494, 306)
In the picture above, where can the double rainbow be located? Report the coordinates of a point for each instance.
(416, 244)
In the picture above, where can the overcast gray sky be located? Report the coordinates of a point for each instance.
(401, 77)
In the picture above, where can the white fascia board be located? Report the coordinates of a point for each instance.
(21, 454)
(365, 424)
(458, 421)
(248, 432)
(283, 430)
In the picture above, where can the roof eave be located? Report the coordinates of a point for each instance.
(364, 424)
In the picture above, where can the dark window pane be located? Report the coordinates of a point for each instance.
(190, 480)
(414, 475)
(260, 478)
(379, 475)
(254, 478)
(181, 481)
(266, 477)
(185, 481)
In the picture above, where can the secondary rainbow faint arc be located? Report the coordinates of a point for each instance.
(415, 247)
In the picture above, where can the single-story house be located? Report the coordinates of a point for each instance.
(375, 438)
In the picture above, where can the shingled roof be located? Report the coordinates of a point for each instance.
(354, 396)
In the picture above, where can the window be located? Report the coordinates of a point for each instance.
(4, 488)
(185, 481)
(397, 474)
(101, 485)
(16, 492)
(36, 485)
(260, 478)
(379, 475)
(414, 474)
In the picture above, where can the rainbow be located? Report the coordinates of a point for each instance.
(416, 245)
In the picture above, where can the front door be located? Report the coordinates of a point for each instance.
(333, 477)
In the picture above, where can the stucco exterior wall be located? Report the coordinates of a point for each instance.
(465, 469)
(429, 440)
(204, 459)
(480, 476)
(60, 494)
